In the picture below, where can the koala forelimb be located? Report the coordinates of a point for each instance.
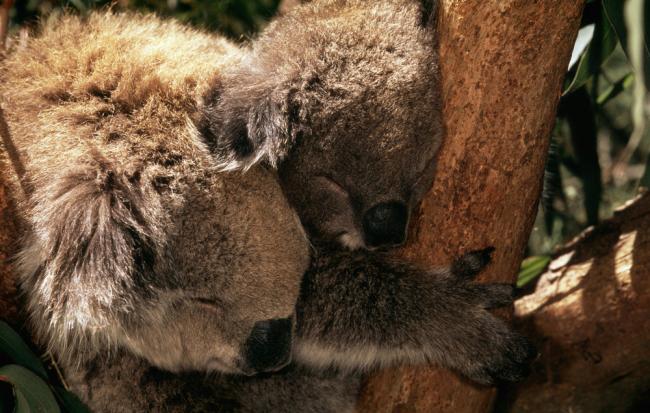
(357, 311)
(361, 310)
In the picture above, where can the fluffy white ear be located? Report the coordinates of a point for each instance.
(270, 130)
(244, 124)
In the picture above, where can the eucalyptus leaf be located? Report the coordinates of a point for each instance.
(70, 402)
(602, 46)
(531, 268)
(21, 403)
(613, 11)
(13, 346)
(31, 393)
(615, 89)
(637, 53)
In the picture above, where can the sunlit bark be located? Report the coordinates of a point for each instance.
(590, 316)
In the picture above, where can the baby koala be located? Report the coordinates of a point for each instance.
(144, 260)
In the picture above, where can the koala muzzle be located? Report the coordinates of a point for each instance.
(385, 224)
(268, 348)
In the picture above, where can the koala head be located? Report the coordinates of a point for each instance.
(178, 276)
(226, 295)
(343, 97)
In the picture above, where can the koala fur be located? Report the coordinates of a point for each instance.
(133, 238)
(149, 259)
(350, 84)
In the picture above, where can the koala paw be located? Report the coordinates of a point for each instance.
(493, 295)
(472, 263)
(493, 352)
(508, 359)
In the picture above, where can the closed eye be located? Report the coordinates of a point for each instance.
(208, 303)
(332, 185)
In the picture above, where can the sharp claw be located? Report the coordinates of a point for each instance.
(471, 263)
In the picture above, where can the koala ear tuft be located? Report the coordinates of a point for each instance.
(269, 128)
(429, 13)
(249, 126)
(239, 141)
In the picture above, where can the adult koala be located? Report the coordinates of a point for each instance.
(143, 260)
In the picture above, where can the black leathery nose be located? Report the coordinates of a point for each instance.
(385, 224)
(268, 347)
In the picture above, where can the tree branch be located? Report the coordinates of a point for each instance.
(590, 314)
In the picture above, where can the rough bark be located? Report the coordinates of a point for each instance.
(8, 234)
(502, 64)
(5, 6)
(590, 315)
(7, 286)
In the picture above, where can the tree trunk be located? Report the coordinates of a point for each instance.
(8, 234)
(590, 315)
(502, 64)
(7, 284)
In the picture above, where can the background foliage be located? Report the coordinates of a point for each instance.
(600, 150)
(236, 18)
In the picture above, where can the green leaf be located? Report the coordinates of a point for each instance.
(613, 11)
(601, 47)
(615, 15)
(531, 268)
(79, 5)
(70, 402)
(13, 346)
(31, 393)
(639, 57)
(22, 405)
(615, 89)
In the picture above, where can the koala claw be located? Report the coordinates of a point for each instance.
(512, 365)
(472, 263)
(516, 365)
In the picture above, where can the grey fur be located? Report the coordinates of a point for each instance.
(349, 90)
(143, 255)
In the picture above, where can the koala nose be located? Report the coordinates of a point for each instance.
(268, 347)
(385, 224)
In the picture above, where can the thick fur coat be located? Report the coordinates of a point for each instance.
(149, 255)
